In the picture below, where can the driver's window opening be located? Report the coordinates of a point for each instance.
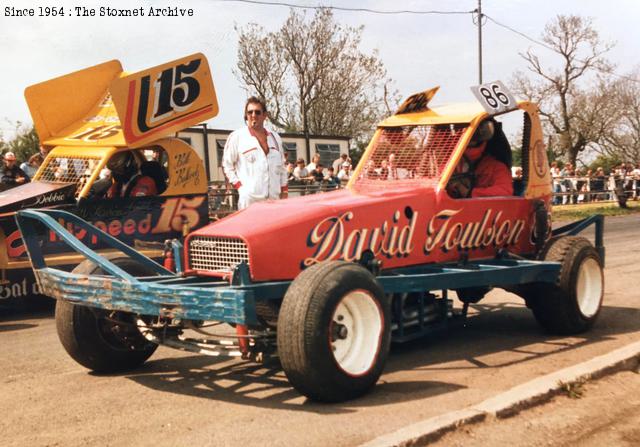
(409, 154)
(142, 173)
(132, 173)
(156, 166)
(495, 162)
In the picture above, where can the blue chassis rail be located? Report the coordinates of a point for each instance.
(172, 295)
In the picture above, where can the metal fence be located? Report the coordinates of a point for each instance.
(576, 190)
(223, 199)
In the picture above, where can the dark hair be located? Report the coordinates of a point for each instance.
(254, 100)
(36, 158)
(498, 146)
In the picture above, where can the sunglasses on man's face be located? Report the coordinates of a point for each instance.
(254, 112)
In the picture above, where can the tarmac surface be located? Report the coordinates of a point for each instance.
(180, 399)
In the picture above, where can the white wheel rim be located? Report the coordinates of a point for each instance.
(356, 332)
(589, 287)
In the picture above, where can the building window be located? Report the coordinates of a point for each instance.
(290, 151)
(186, 140)
(220, 150)
(328, 153)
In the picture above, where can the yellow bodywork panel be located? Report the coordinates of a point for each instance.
(185, 169)
(60, 107)
(165, 99)
(103, 106)
(443, 114)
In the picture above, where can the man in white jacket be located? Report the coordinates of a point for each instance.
(253, 159)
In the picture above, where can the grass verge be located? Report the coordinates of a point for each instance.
(575, 212)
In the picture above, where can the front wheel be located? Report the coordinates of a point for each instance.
(334, 331)
(100, 340)
(572, 304)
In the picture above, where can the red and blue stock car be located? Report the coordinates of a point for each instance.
(86, 117)
(328, 281)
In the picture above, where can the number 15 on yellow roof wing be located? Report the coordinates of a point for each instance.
(162, 100)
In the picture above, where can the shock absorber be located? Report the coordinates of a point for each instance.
(169, 262)
(243, 341)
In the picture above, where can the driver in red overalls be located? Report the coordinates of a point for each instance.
(490, 176)
(127, 181)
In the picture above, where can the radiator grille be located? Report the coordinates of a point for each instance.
(216, 254)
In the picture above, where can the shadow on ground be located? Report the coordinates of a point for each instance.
(257, 385)
(4, 327)
(504, 328)
(495, 328)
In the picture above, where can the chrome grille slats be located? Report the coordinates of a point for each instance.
(216, 253)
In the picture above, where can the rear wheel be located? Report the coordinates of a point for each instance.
(334, 331)
(103, 341)
(572, 304)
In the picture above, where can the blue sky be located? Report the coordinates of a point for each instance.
(419, 51)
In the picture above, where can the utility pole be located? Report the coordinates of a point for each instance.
(479, 19)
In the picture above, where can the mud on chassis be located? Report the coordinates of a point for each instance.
(331, 326)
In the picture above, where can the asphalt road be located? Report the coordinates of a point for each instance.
(184, 399)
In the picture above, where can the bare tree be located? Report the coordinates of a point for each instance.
(576, 116)
(624, 142)
(314, 77)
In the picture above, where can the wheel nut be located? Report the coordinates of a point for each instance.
(340, 318)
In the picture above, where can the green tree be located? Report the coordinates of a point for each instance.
(607, 162)
(24, 143)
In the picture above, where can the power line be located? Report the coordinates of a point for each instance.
(513, 30)
(537, 42)
(342, 8)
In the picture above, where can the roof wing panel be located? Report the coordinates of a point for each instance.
(103, 106)
(165, 99)
(63, 103)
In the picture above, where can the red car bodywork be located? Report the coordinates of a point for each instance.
(404, 221)
(401, 227)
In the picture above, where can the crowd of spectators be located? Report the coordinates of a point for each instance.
(576, 185)
(14, 173)
(570, 185)
(315, 173)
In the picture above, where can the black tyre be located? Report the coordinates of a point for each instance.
(472, 295)
(572, 304)
(103, 341)
(334, 331)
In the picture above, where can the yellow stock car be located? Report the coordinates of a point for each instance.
(109, 113)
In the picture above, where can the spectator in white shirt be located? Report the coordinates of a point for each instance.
(300, 173)
(345, 172)
(314, 162)
(253, 158)
(337, 163)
